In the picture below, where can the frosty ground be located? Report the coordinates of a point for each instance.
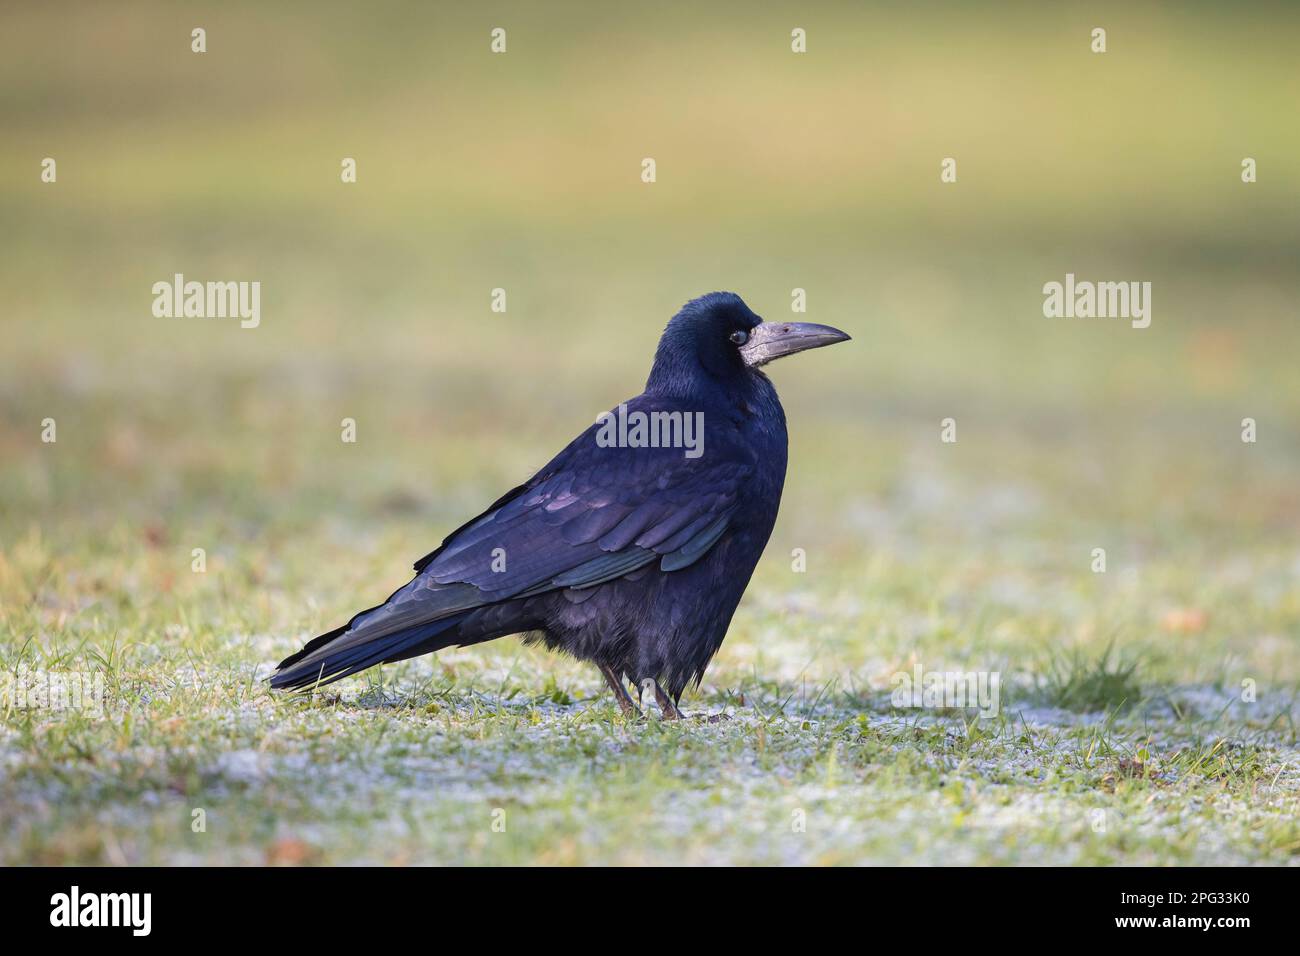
(504, 754)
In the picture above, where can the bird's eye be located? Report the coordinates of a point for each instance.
(740, 337)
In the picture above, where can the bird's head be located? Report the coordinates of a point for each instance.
(717, 335)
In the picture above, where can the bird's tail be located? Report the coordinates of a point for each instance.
(348, 649)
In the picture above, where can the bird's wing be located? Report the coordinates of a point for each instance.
(592, 518)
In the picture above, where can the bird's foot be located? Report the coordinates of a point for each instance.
(667, 706)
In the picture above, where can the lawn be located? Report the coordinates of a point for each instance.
(1147, 711)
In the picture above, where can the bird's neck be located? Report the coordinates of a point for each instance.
(692, 385)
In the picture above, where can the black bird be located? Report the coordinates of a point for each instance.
(633, 558)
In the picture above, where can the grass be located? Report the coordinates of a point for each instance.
(1147, 713)
(1105, 750)
(420, 773)
(1075, 682)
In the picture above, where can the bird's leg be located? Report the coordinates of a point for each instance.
(620, 691)
(666, 705)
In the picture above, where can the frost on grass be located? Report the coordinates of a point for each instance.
(499, 754)
(411, 766)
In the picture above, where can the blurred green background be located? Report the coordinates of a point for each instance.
(521, 171)
(775, 171)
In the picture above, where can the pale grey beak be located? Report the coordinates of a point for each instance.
(771, 340)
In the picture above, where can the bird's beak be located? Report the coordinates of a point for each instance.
(772, 340)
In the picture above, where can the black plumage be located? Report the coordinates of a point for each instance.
(633, 558)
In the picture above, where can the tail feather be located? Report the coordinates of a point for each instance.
(314, 665)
